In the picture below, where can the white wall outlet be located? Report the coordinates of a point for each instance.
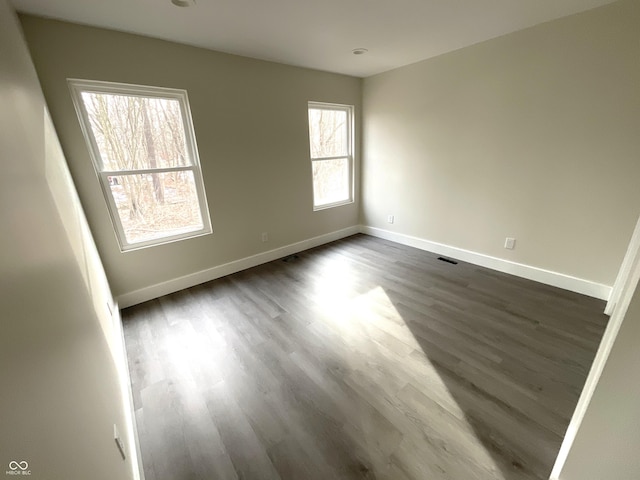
(390, 219)
(265, 237)
(119, 443)
(510, 243)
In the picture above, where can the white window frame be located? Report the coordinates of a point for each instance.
(350, 142)
(77, 87)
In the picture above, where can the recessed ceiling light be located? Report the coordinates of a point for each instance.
(359, 51)
(184, 3)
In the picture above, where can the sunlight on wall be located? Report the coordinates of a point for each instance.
(72, 216)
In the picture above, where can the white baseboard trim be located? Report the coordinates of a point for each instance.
(186, 281)
(560, 280)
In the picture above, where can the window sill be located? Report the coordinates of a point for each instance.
(332, 205)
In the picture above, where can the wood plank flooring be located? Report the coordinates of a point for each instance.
(360, 359)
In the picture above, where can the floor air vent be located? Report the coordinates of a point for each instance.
(290, 258)
(448, 260)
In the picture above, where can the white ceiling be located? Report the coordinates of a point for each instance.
(317, 34)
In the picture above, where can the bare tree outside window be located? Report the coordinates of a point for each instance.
(142, 154)
(330, 131)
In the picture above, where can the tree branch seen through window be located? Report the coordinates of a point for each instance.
(330, 142)
(143, 148)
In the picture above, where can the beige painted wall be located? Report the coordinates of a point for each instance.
(534, 135)
(61, 388)
(250, 119)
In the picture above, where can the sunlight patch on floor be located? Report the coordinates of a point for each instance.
(377, 339)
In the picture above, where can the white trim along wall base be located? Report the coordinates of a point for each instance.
(548, 277)
(560, 280)
(180, 283)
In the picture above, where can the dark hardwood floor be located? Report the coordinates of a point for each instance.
(359, 359)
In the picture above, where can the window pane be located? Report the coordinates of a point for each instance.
(330, 181)
(158, 205)
(328, 133)
(136, 132)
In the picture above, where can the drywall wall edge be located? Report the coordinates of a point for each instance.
(560, 280)
(180, 283)
(599, 363)
(633, 251)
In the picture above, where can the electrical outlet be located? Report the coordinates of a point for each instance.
(390, 219)
(265, 237)
(510, 243)
(119, 443)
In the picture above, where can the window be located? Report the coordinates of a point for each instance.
(331, 144)
(144, 152)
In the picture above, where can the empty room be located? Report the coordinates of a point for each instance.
(337, 240)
